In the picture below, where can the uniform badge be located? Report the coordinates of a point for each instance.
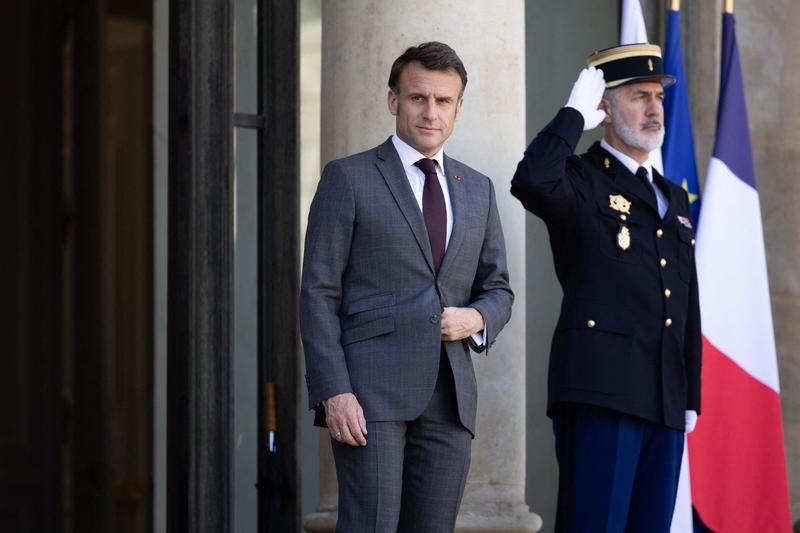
(617, 202)
(685, 221)
(624, 238)
(606, 163)
(650, 64)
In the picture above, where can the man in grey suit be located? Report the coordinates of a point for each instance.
(404, 269)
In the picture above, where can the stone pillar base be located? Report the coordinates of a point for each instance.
(518, 521)
(512, 521)
(320, 522)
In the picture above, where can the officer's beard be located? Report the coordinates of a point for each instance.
(635, 136)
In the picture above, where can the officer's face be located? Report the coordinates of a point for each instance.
(426, 106)
(635, 118)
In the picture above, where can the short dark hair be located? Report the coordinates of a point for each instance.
(433, 56)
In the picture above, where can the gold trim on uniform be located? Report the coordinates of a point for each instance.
(649, 64)
(631, 50)
(617, 202)
(624, 238)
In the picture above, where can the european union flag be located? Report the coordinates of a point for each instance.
(680, 165)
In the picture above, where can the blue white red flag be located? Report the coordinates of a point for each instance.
(737, 458)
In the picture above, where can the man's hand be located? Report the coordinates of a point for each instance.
(345, 419)
(586, 95)
(460, 322)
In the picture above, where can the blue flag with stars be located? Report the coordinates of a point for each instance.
(680, 165)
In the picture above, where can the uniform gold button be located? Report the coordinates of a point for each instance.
(667, 293)
(668, 322)
(663, 262)
(623, 217)
(692, 242)
(591, 323)
(659, 233)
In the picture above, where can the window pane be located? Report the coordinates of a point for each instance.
(245, 54)
(245, 331)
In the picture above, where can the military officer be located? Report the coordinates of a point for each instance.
(624, 376)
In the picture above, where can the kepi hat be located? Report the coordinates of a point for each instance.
(630, 63)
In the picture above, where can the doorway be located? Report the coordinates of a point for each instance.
(77, 408)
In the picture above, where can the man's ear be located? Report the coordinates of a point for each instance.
(605, 105)
(391, 101)
(459, 105)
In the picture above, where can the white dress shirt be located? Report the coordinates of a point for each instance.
(633, 165)
(416, 178)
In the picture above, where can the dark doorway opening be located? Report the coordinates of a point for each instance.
(76, 450)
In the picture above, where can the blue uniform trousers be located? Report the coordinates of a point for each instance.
(616, 472)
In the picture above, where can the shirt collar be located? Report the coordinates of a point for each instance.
(630, 163)
(409, 156)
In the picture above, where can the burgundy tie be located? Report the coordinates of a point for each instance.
(433, 210)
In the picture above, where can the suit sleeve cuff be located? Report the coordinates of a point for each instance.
(479, 338)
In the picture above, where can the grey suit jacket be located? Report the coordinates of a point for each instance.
(370, 300)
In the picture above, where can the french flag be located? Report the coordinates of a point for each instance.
(681, 168)
(737, 458)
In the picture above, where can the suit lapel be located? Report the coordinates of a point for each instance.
(622, 176)
(391, 168)
(458, 202)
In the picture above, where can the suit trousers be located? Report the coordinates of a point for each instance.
(616, 472)
(410, 476)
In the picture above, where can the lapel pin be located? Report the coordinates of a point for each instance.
(457, 177)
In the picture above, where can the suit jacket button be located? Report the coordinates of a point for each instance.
(434, 319)
(591, 323)
(663, 263)
(659, 233)
(668, 322)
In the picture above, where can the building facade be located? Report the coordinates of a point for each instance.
(159, 161)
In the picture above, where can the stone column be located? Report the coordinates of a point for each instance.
(360, 39)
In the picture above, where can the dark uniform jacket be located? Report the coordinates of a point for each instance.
(628, 337)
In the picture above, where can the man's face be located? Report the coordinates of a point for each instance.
(426, 106)
(635, 118)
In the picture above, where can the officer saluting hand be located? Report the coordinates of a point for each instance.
(624, 376)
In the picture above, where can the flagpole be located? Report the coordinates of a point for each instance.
(728, 6)
(675, 5)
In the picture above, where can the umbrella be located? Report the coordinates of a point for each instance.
(272, 485)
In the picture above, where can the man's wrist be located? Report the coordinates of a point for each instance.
(480, 322)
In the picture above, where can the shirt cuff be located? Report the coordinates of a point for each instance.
(479, 338)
